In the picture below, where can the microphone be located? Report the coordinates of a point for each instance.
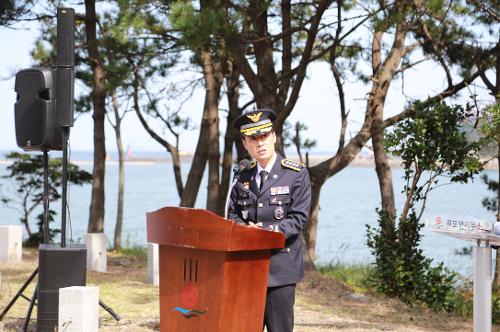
(237, 169)
(241, 166)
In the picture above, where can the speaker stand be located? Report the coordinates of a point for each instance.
(20, 293)
(45, 228)
(32, 301)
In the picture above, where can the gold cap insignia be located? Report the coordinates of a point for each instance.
(255, 117)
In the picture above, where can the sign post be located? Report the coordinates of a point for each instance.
(481, 233)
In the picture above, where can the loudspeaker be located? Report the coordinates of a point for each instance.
(58, 268)
(35, 117)
(65, 37)
(65, 62)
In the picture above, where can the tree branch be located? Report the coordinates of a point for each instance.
(304, 61)
(429, 101)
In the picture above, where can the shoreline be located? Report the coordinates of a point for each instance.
(314, 160)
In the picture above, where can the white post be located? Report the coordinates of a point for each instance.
(153, 264)
(79, 309)
(11, 243)
(482, 288)
(96, 252)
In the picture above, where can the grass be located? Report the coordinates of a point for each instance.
(123, 288)
(137, 252)
(356, 276)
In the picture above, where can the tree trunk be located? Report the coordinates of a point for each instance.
(197, 169)
(212, 73)
(496, 93)
(121, 193)
(98, 96)
(201, 155)
(321, 172)
(232, 135)
(311, 230)
(278, 92)
(383, 74)
(173, 150)
(382, 165)
(26, 224)
(496, 279)
(117, 243)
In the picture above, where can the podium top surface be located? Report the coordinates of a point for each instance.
(202, 229)
(467, 229)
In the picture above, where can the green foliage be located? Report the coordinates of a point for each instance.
(431, 144)
(402, 270)
(292, 134)
(199, 27)
(434, 140)
(491, 125)
(12, 10)
(490, 203)
(36, 238)
(26, 175)
(491, 136)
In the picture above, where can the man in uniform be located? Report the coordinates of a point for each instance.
(274, 194)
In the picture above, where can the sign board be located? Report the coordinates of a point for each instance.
(465, 228)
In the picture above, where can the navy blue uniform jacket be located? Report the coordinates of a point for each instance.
(285, 200)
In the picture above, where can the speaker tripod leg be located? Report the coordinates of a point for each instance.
(111, 311)
(30, 309)
(18, 294)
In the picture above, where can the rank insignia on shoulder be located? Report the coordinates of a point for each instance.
(292, 164)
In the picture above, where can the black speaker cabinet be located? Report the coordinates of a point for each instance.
(35, 117)
(65, 62)
(58, 268)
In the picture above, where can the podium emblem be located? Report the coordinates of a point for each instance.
(190, 295)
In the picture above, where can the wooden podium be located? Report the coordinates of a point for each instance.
(213, 272)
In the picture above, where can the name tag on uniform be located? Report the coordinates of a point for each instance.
(280, 190)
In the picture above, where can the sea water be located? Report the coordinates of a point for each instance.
(347, 204)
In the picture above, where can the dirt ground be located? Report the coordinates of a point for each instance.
(322, 303)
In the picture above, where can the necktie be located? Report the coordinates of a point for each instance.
(263, 177)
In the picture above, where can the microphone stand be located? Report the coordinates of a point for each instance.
(240, 167)
(230, 189)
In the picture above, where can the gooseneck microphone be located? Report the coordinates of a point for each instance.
(244, 164)
(241, 166)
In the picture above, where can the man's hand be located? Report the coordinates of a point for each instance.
(251, 224)
(274, 228)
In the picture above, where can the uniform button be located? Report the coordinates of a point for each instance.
(261, 205)
(287, 250)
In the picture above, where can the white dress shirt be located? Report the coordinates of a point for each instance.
(268, 168)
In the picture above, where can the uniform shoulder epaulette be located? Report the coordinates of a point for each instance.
(292, 164)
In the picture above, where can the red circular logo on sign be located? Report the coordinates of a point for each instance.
(189, 296)
(438, 220)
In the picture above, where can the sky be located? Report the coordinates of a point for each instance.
(317, 106)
